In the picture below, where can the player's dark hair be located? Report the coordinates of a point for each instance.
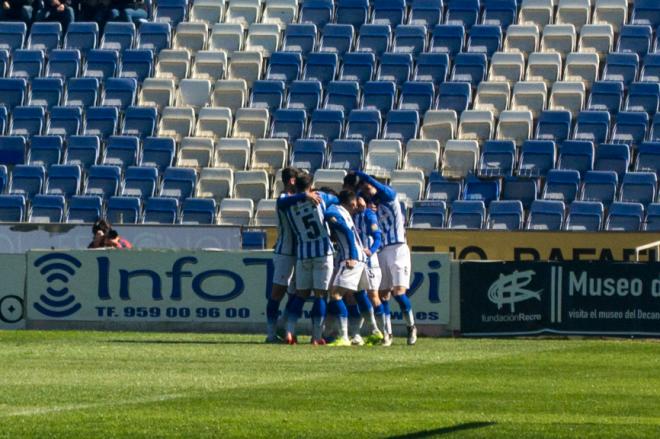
(303, 182)
(351, 180)
(346, 196)
(288, 173)
(101, 225)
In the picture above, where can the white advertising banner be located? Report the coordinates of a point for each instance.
(12, 291)
(145, 286)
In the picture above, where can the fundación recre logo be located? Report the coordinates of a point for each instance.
(57, 300)
(510, 289)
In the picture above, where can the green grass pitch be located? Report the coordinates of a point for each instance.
(95, 384)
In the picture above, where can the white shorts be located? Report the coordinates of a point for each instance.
(374, 277)
(283, 266)
(354, 279)
(395, 266)
(314, 274)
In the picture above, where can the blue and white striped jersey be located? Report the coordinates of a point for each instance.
(390, 216)
(307, 222)
(286, 240)
(366, 223)
(349, 245)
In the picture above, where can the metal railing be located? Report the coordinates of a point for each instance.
(655, 245)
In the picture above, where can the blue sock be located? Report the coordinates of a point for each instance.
(294, 312)
(406, 309)
(318, 317)
(338, 308)
(386, 307)
(363, 301)
(272, 310)
(353, 311)
(378, 310)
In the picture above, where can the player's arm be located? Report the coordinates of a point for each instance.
(339, 226)
(329, 199)
(373, 230)
(289, 200)
(385, 192)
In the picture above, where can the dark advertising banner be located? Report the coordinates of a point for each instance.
(518, 298)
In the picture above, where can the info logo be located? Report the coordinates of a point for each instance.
(57, 269)
(511, 289)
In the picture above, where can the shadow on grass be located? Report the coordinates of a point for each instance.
(443, 430)
(191, 342)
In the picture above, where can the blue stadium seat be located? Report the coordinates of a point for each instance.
(317, 12)
(606, 96)
(178, 183)
(27, 180)
(374, 38)
(432, 67)
(441, 188)
(428, 214)
(363, 125)
(470, 68)
(497, 158)
(652, 220)
(158, 152)
(137, 64)
(83, 92)
(63, 63)
(4, 178)
(47, 209)
(396, 67)
(337, 38)
(639, 187)
(101, 121)
(553, 125)
(353, 12)
(12, 35)
(121, 151)
(253, 240)
(499, 12)
(522, 189)
(123, 210)
(485, 39)
(101, 64)
(12, 208)
(635, 39)
(401, 125)
(139, 121)
(630, 128)
(140, 181)
(612, 157)
(467, 214)
(27, 64)
(119, 92)
(12, 150)
(46, 92)
(321, 66)
(171, 11)
(643, 96)
(326, 124)
(654, 135)
(427, 13)
(485, 190)
(448, 38)
(357, 66)
(300, 37)
(3, 119)
(455, 96)
(289, 124)
(160, 210)
(267, 94)
(621, 67)
(346, 154)
(63, 180)
(155, 36)
(576, 154)
(308, 154)
(625, 217)
(119, 36)
(410, 39)
(82, 36)
(82, 150)
(389, 12)
(305, 95)
(65, 121)
(4, 62)
(593, 126)
(103, 181)
(417, 95)
(379, 95)
(45, 36)
(45, 151)
(505, 215)
(651, 69)
(341, 95)
(198, 211)
(646, 12)
(584, 216)
(648, 157)
(284, 66)
(561, 184)
(463, 12)
(599, 186)
(27, 121)
(84, 209)
(546, 215)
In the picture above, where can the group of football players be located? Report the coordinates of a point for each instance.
(349, 250)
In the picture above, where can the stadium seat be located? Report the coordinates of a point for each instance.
(44, 151)
(176, 122)
(646, 12)
(521, 189)
(383, 157)
(455, 96)
(46, 92)
(82, 150)
(439, 125)
(448, 38)
(289, 124)
(287, 66)
(485, 39)
(463, 12)
(101, 121)
(336, 38)
(27, 121)
(308, 154)
(606, 96)
(269, 154)
(569, 96)
(630, 128)
(497, 158)
(395, 67)
(178, 183)
(544, 66)
(612, 12)
(427, 13)
(45, 36)
(493, 97)
(160, 210)
(137, 64)
(584, 216)
(118, 36)
(46, 209)
(529, 96)
(388, 12)
(574, 12)
(537, 157)
(173, 64)
(521, 38)
(536, 12)
(213, 122)
(652, 220)
(599, 186)
(232, 153)
(263, 38)
(553, 125)
(562, 185)
(195, 152)
(82, 92)
(267, 94)
(194, 93)
(266, 213)
(441, 188)
(546, 215)
(467, 214)
(103, 181)
(121, 151)
(353, 12)
(644, 97)
(236, 211)
(171, 11)
(12, 208)
(251, 123)
(251, 184)
(346, 154)
(83, 36)
(624, 217)
(207, 11)
(593, 126)
(635, 39)
(27, 64)
(329, 178)
(363, 125)
(280, 12)
(198, 211)
(614, 157)
(576, 154)
(158, 93)
(63, 180)
(63, 63)
(651, 68)
(648, 157)
(326, 124)
(320, 66)
(191, 36)
(154, 36)
(227, 38)
(459, 158)
(422, 155)
(12, 35)
(409, 38)
(476, 125)
(317, 12)
(139, 182)
(417, 96)
(245, 12)
(470, 68)
(428, 214)
(306, 95)
(27, 180)
(432, 67)
(621, 67)
(582, 67)
(401, 125)
(485, 190)
(300, 37)
(139, 122)
(64, 121)
(158, 152)
(560, 38)
(357, 66)
(215, 183)
(119, 92)
(515, 125)
(505, 215)
(638, 187)
(232, 94)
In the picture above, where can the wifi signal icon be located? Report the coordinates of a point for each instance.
(57, 268)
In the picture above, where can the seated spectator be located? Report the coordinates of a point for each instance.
(95, 10)
(126, 10)
(17, 10)
(113, 240)
(56, 10)
(100, 230)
